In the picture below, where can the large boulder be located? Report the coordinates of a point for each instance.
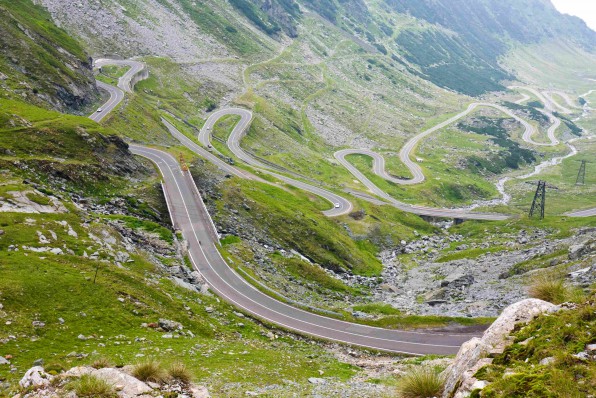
(169, 325)
(131, 387)
(35, 377)
(199, 391)
(128, 386)
(473, 354)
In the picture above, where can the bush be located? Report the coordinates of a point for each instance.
(150, 371)
(101, 363)
(179, 372)
(550, 288)
(420, 382)
(92, 387)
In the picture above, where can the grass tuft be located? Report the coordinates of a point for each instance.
(92, 387)
(421, 382)
(550, 288)
(179, 372)
(102, 362)
(150, 371)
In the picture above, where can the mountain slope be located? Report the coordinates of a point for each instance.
(40, 62)
(463, 47)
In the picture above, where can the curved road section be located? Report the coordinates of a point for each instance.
(190, 215)
(406, 152)
(125, 84)
(345, 206)
(340, 204)
(137, 71)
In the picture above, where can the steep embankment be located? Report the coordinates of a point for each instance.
(40, 63)
(91, 270)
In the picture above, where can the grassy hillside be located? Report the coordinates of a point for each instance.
(544, 361)
(462, 47)
(40, 62)
(95, 293)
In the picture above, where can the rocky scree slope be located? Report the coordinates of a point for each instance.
(456, 45)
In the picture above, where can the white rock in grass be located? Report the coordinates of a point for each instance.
(35, 377)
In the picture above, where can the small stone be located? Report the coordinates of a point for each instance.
(591, 347)
(38, 324)
(81, 337)
(316, 380)
(4, 361)
(167, 336)
(547, 361)
(61, 321)
(121, 299)
(38, 362)
(169, 325)
(582, 356)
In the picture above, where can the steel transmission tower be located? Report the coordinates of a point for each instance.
(539, 199)
(581, 175)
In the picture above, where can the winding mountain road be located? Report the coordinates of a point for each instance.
(189, 215)
(340, 205)
(408, 149)
(125, 84)
(345, 206)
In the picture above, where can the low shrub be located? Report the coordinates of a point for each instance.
(101, 363)
(92, 387)
(150, 371)
(421, 382)
(179, 372)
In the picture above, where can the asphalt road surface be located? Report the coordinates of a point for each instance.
(116, 96)
(583, 213)
(340, 205)
(116, 93)
(190, 216)
(125, 82)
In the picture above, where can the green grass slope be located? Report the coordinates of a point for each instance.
(521, 371)
(84, 303)
(40, 63)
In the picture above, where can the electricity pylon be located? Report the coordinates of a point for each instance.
(539, 202)
(581, 175)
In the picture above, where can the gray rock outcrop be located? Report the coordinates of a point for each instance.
(580, 250)
(128, 385)
(473, 354)
(35, 377)
(125, 384)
